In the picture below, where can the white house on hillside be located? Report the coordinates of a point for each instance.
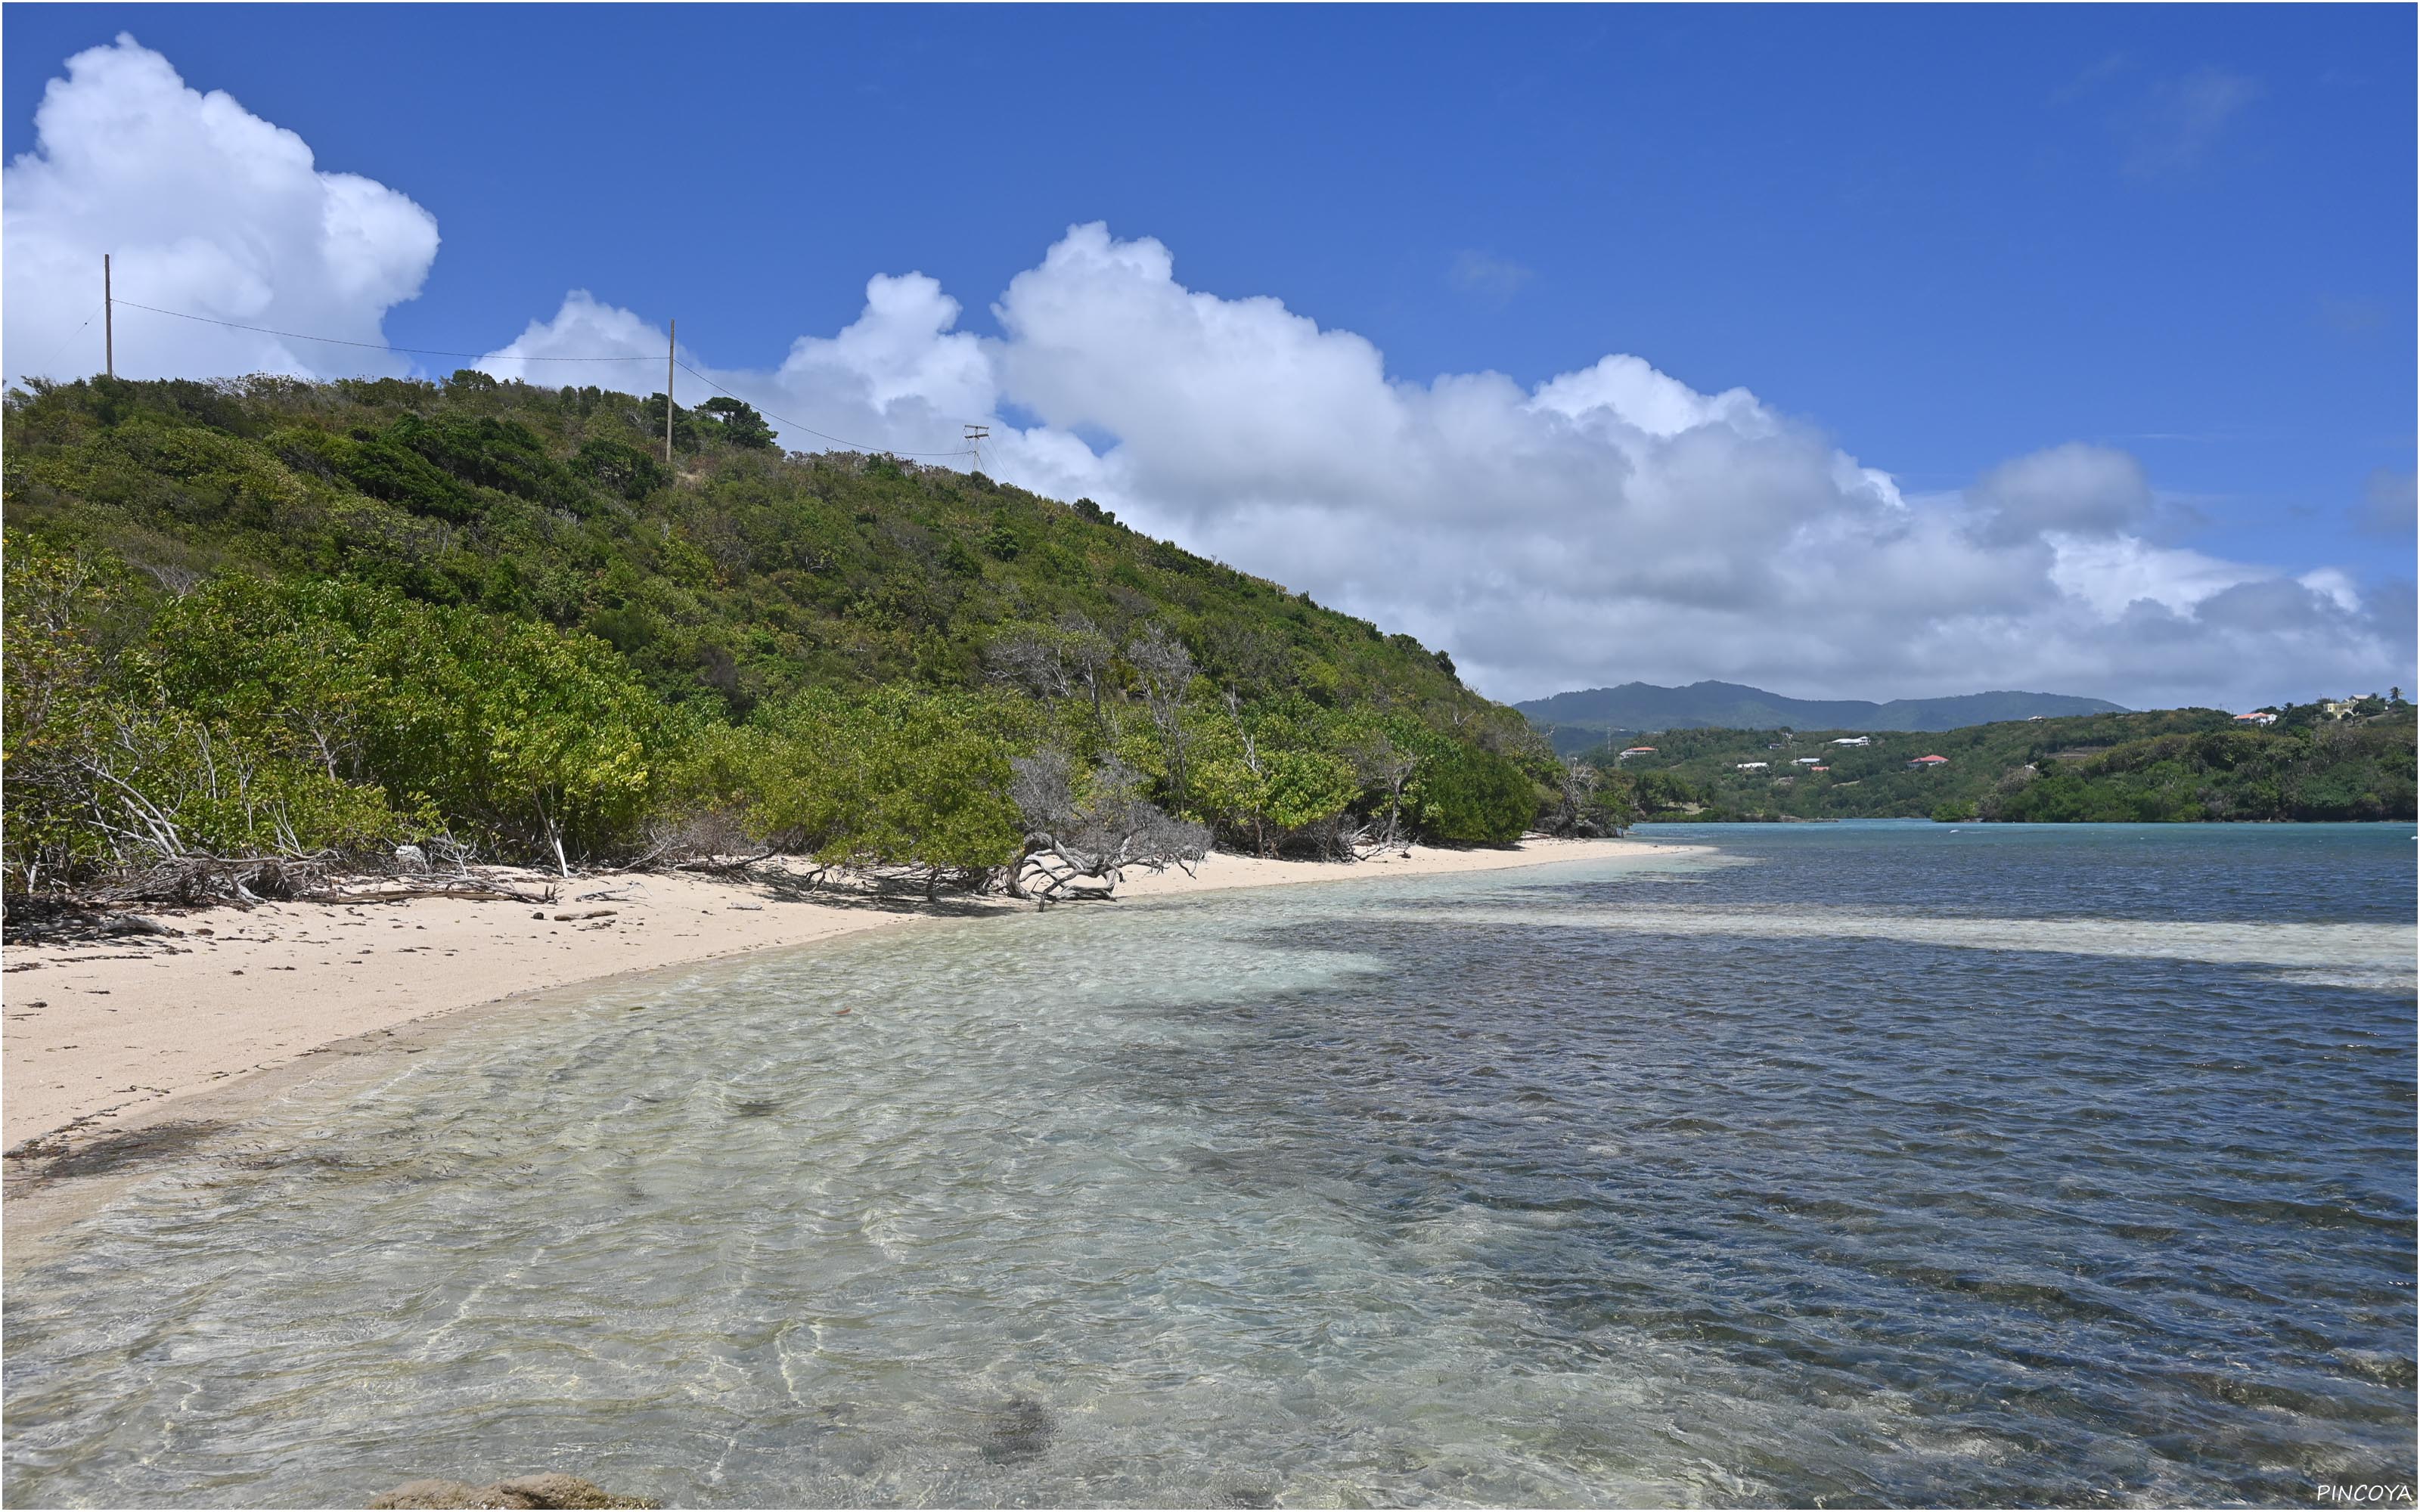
(1854, 740)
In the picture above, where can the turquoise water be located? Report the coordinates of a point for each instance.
(1891, 1163)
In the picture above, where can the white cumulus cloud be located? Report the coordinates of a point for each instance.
(205, 208)
(1605, 524)
(897, 378)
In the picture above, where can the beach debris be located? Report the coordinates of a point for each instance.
(592, 913)
(550, 1489)
(195, 879)
(52, 921)
(135, 924)
(1082, 850)
(411, 858)
(752, 908)
(66, 1153)
(474, 889)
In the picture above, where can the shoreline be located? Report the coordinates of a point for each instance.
(104, 1040)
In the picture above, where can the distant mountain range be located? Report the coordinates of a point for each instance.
(1581, 718)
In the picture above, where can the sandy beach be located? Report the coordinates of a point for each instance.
(105, 1036)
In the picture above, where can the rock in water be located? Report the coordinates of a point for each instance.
(555, 1490)
(1017, 1431)
(418, 1493)
(551, 1489)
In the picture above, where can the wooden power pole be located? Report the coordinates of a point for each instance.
(672, 345)
(108, 322)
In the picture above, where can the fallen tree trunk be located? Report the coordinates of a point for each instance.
(1050, 871)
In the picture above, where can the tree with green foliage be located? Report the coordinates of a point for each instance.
(1265, 777)
(526, 736)
(1466, 795)
(895, 776)
(741, 425)
(108, 777)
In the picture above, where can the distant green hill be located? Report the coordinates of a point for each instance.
(2165, 765)
(1579, 719)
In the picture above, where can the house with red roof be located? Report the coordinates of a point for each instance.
(1929, 762)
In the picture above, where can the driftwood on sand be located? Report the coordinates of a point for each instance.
(1080, 847)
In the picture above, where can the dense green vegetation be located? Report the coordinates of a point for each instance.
(278, 617)
(2179, 764)
(1580, 720)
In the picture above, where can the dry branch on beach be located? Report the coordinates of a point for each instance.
(1082, 848)
(199, 881)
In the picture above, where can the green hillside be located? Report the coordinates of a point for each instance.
(489, 612)
(2169, 764)
(758, 573)
(1576, 721)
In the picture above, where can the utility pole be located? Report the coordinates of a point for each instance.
(672, 345)
(108, 321)
(976, 436)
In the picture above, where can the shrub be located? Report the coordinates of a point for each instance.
(1468, 797)
(893, 776)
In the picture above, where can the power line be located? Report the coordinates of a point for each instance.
(431, 351)
(853, 446)
(374, 345)
(42, 369)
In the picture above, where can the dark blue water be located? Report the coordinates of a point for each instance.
(2126, 1226)
(1898, 1165)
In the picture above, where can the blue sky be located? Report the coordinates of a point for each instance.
(1942, 237)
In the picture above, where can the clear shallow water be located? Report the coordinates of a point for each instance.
(1876, 1164)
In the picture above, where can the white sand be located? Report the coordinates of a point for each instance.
(105, 1036)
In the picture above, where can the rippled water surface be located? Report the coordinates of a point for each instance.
(1868, 1164)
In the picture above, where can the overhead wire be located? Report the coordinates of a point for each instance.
(376, 346)
(44, 366)
(837, 441)
(431, 351)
